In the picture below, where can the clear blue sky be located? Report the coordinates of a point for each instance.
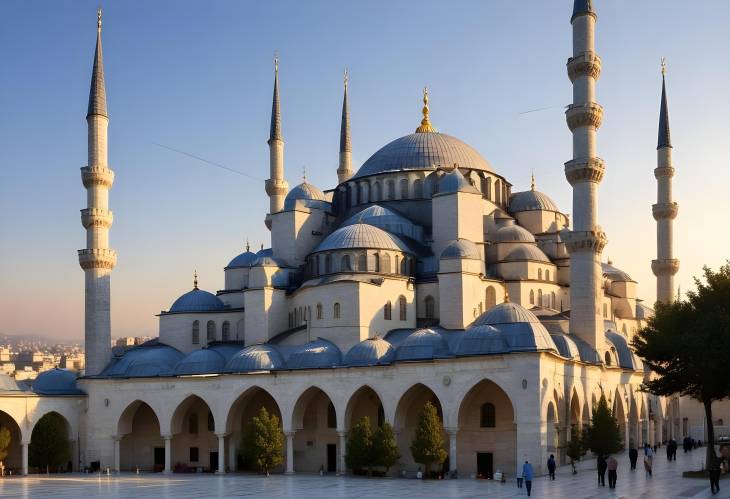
(197, 76)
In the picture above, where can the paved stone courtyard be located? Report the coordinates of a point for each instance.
(667, 482)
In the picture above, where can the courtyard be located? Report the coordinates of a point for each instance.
(667, 482)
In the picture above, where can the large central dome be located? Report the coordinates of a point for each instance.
(423, 151)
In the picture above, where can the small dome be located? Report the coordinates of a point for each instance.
(481, 340)
(531, 201)
(314, 355)
(370, 352)
(454, 181)
(511, 233)
(203, 361)
(422, 344)
(626, 357)
(197, 300)
(308, 195)
(566, 346)
(461, 249)
(268, 261)
(388, 220)
(56, 382)
(423, 151)
(245, 259)
(615, 274)
(362, 236)
(262, 357)
(526, 252)
(506, 313)
(151, 358)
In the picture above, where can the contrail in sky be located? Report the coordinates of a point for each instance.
(213, 163)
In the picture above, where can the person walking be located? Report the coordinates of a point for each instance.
(519, 478)
(612, 466)
(551, 466)
(715, 475)
(527, 474)
(648, 460)
(633, 457)
(601, 466)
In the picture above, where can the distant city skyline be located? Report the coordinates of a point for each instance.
(197, 78)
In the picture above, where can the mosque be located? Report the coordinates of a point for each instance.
(420, 276)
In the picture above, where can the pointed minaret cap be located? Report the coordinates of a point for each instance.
(664, 138)
(97, 93)
(275, 132)
(345, 140)
(426, 126)
(582, 8)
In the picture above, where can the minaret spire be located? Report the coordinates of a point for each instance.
(665, 210)
(97, 259)
(276, 186)
(344, 171)
(584, 173)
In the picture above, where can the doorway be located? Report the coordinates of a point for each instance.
(331, 458)
(213, 461)
(484, 465)
(159, 459)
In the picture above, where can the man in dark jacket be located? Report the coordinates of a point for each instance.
(633, 456)
(551, 466)
(601, 467)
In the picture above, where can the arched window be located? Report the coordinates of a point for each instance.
(345, 264)
(402, 304)
(226, 331)
(362, 262)
(391, 189)
(211, 332)
(396, 267)
(532, 297)
(497, 192)
(605, 310)
(319, 311)
(375, 194)
(196, 332)
(363, 188)
(430, 307)
(385, 263)
(404, 188)
(487, 416)
(388, 311)
(490, 298)
(331, 416)
(607, 358)
(539, 297)
(547, 275)
(193, 424)
(336, 311)
(404, 266)
(418, 189)
(539, 274)
(552, 300)
(376, 261)
(328, 263)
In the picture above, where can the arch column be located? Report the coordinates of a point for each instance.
(24, 461)
(289, 452)
(343, 445)
(646, 431)
(168, 453)
(117, 459)
(627, 438)
(659, 429)
(232, 457)
(221, 453)
(452, 448)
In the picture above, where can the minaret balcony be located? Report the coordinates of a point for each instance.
(668, 266)
(97, 176)
(584, 64)
(97, 258)
(664, 211)
(580, 115)
(276, 187)
(96, 218)
(584, 240)
(663, 172)
(584, 170)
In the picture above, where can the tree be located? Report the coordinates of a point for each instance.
(576, 447)
(49, 445)
(428, 445)
(603, 435)
(263, 442)
(360, 446)
(385, 449)
(686, 342)
(4, 444)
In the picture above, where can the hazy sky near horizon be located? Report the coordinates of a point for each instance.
(197, 76)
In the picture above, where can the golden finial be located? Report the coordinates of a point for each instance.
(426, 126)
(506, 296)
(195, 279)
(98, 18)
(532, 182)
(346, 77)
(304, 174)
(248, 247)
(276, 61)
(664, 66)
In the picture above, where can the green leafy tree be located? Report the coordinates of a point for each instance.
(4, 444)
(575, 449)
(360, 446)
(603, 435)
(428, 446)
(263, 442)
(49, 445)
(686, 342)
(385, 449)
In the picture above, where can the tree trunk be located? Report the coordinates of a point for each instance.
(710, 435)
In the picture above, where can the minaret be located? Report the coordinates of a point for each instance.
(584, 172)
(665, 210)
(97, 259)
(276, 186)
(344, 171)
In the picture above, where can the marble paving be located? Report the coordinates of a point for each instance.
(667, 482)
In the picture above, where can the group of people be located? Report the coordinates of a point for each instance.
(609, 464)
(671, 449)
